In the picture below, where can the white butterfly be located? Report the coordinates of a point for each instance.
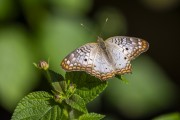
(104, 59)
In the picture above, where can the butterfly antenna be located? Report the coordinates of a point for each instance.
(91, 31)
(103, 26)
(85, 27)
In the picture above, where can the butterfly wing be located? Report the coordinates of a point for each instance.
(123, 49)
(94, 60)
(132, 46)
(90, 59)
(102, 69)
(80, 59)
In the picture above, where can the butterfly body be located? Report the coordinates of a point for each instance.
(103, 49)
(104, 59)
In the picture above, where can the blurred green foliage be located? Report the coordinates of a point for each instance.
(6, 8)
(31, 30)
(170, 116)
(17, 76)
(149, 89)
(160, 5)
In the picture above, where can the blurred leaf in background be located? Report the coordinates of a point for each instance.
(17, 75)
(149, 90)
(76, 8)
(116, 24)
(7, 9)
(160, 5)
(170, 116)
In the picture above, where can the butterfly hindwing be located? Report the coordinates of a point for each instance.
(102, 69)
(120, 62)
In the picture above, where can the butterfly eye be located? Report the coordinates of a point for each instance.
(125, 58)
(127, 49)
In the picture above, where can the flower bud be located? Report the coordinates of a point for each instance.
(43, 65)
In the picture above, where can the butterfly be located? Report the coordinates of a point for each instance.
(105, 59)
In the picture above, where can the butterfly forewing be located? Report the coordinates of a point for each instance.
(131, 46)
(80, 59)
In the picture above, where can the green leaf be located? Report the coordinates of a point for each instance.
(74, 114)
(76, 102)
(55, 80)
(88, 87)
(55, 77)
(37, 105)
(122, 78)
(171, 116)
(91, 116)
(118, 76)
(63, 85)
